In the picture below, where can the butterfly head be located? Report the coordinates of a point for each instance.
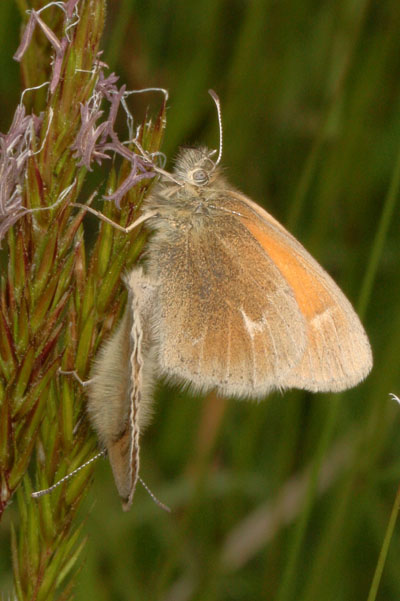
(195, 166)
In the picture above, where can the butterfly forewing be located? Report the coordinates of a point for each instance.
(244, 308)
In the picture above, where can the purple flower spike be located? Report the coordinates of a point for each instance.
(55, 78)
(14, 153)
(85, 145)
(97, 142)
(69, 7)
(132, 180)
(106, 86)
(35, 19)
(26, 38)
(49, 33)
(60, 47)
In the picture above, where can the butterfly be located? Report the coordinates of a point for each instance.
(227, 300)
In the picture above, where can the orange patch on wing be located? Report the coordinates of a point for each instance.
(311, 297)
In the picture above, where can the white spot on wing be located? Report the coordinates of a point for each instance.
(321, 318)
(253, 327)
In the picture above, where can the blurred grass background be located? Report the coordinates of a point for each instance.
(287, 499)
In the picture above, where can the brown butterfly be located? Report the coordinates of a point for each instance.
(229, 300)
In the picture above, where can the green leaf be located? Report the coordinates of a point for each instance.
(7, 360)
(15, 562)
(6, 432)
(45, 261)
(85, 344)
(24, 376)
(42, 306)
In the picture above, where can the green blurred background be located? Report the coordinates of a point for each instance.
(287, 499)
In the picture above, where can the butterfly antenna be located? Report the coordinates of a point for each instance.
(153, 496)
(45, 491)
(214, 96)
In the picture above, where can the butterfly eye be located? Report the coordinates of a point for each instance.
(200, 177)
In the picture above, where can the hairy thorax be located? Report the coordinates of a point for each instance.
(180, 209)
